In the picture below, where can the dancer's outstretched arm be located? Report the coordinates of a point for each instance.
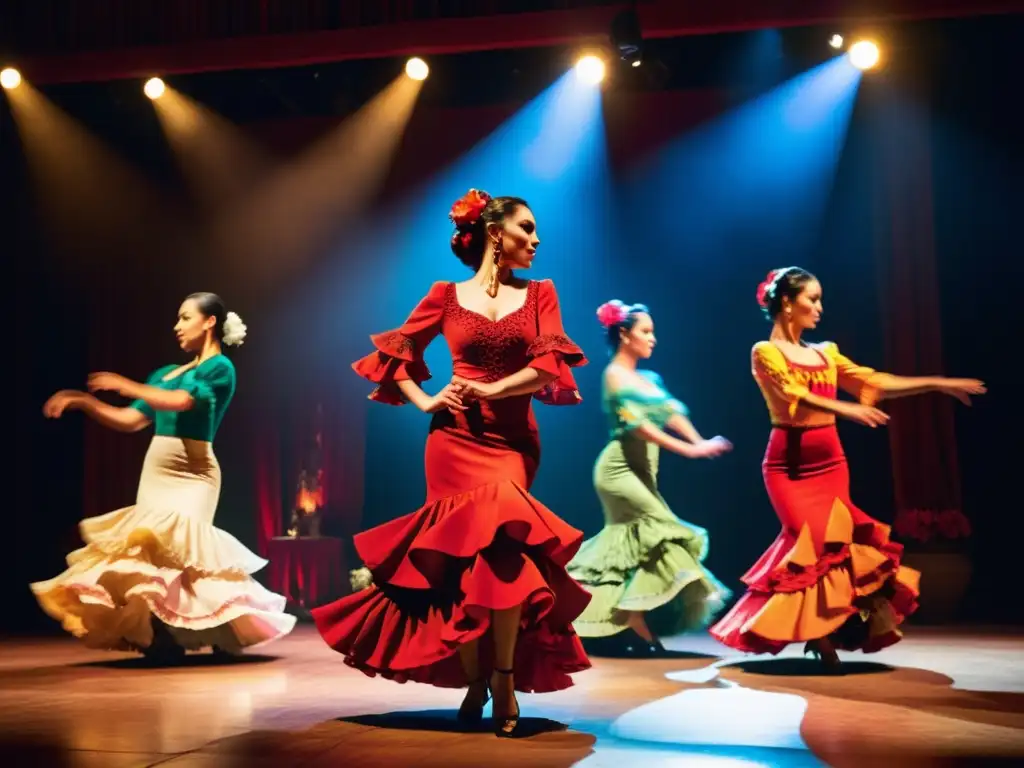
(112, 417)
(646, 430)
(703, 449)
(681, 425)
(904, 386)
(156, 398)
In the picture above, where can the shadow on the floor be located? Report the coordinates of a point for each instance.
(664, 654)
(800, 667)
(445, 720)
(630, 646)
(25, 751)
(190, 661)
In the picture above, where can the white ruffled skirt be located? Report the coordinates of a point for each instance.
(164, 558)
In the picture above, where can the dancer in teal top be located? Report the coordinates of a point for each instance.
(210, 383)
(645, 560)
(158, 577)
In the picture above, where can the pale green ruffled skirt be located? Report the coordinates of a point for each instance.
(645, 558)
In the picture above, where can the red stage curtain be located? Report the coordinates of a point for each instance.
(308, 572)
(344, 446)
(926, 473)
(269, 498)
(121, 340)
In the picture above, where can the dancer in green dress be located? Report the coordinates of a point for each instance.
(644, 567)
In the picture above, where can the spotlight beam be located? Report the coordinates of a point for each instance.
(98, 210)
(289, 219)
(219, 161)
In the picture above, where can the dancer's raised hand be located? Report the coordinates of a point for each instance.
(962, 389)
(64, 400)
(108, 382)
(713, 448)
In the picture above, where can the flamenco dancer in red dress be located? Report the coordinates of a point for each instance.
(472, 586)
(832, 579)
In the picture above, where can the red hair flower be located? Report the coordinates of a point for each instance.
(611, 313)
(467, 209)
(762, 289)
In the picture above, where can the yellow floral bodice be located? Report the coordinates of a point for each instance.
(785, 384)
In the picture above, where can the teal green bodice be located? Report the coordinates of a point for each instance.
(630, 406)
(211, 384)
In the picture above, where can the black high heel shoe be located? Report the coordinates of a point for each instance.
(828, 659)
(505, 726)
(472, 713)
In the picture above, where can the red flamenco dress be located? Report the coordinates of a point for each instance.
(832, 572)
(481, 542)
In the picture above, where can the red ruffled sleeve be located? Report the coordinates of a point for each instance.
(554, 352)
(399, 354)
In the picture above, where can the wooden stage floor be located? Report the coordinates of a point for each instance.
(950, 697)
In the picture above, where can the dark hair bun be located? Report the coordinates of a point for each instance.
(786, 282)
(471, 214)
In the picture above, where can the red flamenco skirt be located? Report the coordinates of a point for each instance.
(481, 543)
(832, 572)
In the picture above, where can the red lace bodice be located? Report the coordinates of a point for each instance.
(482, 349)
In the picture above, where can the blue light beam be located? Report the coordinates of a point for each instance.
(756, 179)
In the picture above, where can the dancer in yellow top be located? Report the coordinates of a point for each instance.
(832, 578)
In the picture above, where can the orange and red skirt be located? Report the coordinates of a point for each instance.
(832, 571)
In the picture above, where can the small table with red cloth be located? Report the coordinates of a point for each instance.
(308, 571)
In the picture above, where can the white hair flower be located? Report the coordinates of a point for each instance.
(361, 578)
(234, 330)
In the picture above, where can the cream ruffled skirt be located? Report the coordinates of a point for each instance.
(163, 558)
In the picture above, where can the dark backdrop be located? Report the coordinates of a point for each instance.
(67, 321)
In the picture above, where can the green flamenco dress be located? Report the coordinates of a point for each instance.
(645, 558)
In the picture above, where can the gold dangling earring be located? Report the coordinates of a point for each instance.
(492, 282)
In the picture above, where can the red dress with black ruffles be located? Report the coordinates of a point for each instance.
(481, 542)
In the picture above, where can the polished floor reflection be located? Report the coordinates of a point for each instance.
(939, 698)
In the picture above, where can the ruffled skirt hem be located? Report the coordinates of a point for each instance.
(856, 592)
(139, 564)
(647, 566)
(440, 572)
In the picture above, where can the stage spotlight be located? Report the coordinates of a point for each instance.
(10, 78)
(836, 41)
(154, 88)
(636, 63)
(590, 69)
(864, 54)
(627, 37)
(417, 69)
